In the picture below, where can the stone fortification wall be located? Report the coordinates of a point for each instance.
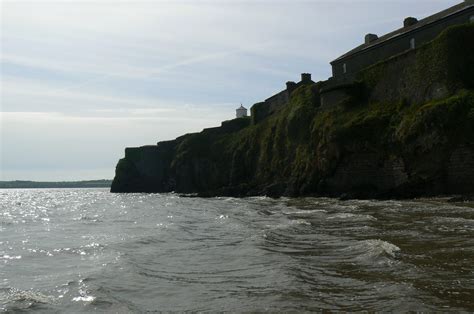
(145, 169)
(261, 110)
(145, 159)
(277, 101)
(434, 71)
(367, 170)
(362, 171)
(335, 90)
(397, 45)
(460, 170)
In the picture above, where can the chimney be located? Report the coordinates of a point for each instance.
(409, 21)
(290, 86)
(370, 38)
(305, 77)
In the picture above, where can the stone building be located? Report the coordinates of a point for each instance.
(241, 112)
(413, 34)
(375, 49)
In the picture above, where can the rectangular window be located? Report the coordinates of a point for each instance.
(471, 19)
(344, 68)
(412, 43)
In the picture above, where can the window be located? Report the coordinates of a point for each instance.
(471, 19)
(412, 43)
(344, 68)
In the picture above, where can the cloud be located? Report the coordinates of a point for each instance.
(81, 80)
(18, 92)
(35, 141)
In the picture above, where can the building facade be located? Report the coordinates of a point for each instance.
(413, 34)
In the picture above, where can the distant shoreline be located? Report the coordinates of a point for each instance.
(59, 185)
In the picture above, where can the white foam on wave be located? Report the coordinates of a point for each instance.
(345, 207)
(259, 198)
(87, 298)
(8, 257)
(379, 248)
(83, 293)
(352, 216)
(452, 224)
(301, 222)
(456, 220)
(287, 224)
(16, 295)
(372, 251)
(305, 212)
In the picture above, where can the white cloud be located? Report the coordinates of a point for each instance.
(36, 141)
(100, 105)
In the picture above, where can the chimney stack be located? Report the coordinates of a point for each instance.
(409, 21)
(305, 77)
(290, 86)
(370, 38)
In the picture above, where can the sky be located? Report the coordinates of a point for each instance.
(82, 80)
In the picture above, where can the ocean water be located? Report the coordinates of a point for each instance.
(87, 250)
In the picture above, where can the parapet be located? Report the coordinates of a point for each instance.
(135, 153)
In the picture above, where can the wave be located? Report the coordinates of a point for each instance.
(351, 216)
(374, 249)
(451, 224)
(88, 219)
(10, 257)
(305, 212)
(455, 220)
(15, 299)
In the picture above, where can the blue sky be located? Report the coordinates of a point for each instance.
(82, 80)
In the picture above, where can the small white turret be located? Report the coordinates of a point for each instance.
(241, 112)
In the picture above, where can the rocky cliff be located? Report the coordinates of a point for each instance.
(405, 131)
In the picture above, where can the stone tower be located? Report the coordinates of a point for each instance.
(241, 111)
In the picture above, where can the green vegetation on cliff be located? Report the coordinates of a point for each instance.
(366, 146)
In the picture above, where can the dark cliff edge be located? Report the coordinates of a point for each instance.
(406, 130)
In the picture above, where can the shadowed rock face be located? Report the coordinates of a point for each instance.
(364, 147)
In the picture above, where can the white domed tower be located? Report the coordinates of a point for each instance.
(241, 111)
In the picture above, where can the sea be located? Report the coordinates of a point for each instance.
(88, 250)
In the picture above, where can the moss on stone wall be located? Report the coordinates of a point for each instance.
(434, 70)
(300, 149)
(295, 151)
(258, 112)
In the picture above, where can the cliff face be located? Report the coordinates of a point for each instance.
(403, 145)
